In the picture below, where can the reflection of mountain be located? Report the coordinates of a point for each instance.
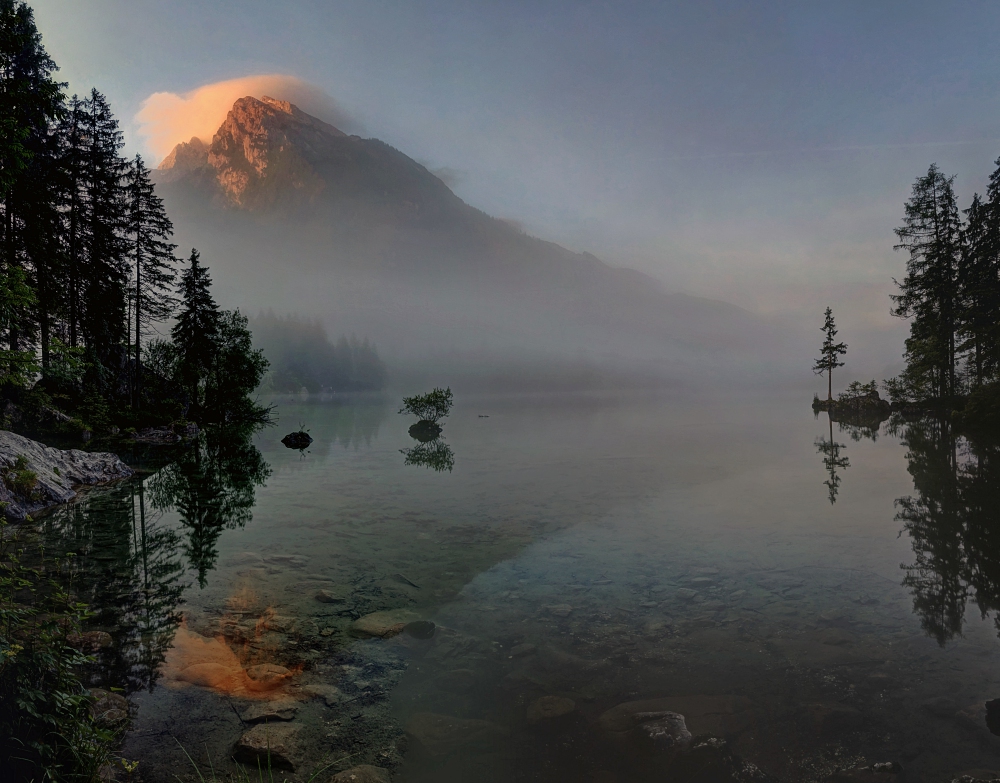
(127, 570)
(212, 486)
(297, 216)
(954, 523)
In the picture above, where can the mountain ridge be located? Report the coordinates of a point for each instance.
(373, 242)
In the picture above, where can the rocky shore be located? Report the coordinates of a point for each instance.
(36, 477)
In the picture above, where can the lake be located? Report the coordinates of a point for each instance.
(811, 597)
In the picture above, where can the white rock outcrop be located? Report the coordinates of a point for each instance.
(59, 472)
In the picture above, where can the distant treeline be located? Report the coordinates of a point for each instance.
(951, 292)
(302, 356)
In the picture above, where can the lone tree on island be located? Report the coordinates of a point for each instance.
(431, 407)
(830, 353)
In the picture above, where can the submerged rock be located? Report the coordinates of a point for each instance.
(420, 629)
(267, 676)
(56, 473)
(109, 709)
(331, 596)
(443, 734)
(330, 694)
(363, 773)
(711, 715)
(270, 711)
(278, 744)
(297, 440)
(383, 624)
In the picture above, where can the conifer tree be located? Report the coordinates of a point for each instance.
(196, 332)
(830, 353)
(978, 280)
(30, 100)
(105, 276)
(932, 235)
(149, 230)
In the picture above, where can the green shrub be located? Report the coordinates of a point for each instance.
(429, 407)
(21, 481)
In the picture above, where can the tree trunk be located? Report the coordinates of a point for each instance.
(829, 383)
(138, 303)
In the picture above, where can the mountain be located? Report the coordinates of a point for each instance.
(293, 214)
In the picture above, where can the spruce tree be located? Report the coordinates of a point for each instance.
(105, 276)
(830, 353)
(932, 235)
(977, 278)
(195, 334)
(149, 230)
(30, 101)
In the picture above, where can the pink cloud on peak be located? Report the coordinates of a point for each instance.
(167, 118)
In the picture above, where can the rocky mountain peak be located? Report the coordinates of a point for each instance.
(265, 148)
(269, 154)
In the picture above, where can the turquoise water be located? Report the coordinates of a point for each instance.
(584, 560)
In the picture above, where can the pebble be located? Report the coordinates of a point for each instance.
(521, 650)
(560, 610)
(686, 593)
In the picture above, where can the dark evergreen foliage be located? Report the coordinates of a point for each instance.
(932, 235)
(830, 352)
(152, 256)
(197, 328)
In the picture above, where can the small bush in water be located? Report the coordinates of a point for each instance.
(429, 407)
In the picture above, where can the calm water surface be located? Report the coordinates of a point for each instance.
(816, 598)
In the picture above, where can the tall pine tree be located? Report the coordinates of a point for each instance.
(30, 100)
(932, 235)
(196, 331)
(152, 255)
(105, 277)
(830, 353)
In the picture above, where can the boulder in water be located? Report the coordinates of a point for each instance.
(297, 440)
(425, 431)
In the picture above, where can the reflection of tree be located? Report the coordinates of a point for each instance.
(954, 523)
(434, 454)
(126, 569)
(212, 486)
(832, 461)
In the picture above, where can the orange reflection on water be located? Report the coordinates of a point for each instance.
(241, 660)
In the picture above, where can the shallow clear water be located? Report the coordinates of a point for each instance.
(582, 554)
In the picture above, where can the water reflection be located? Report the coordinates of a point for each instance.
(833, 462)
(434, 454)
(212, 485)
(953, 520)
(129, 559)
(128, 570)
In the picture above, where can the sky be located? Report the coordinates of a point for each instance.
(758, 153)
